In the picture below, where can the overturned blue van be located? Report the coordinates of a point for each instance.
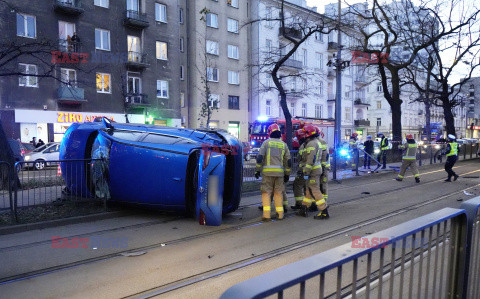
(197, 171)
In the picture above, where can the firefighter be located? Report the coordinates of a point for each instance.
(409, 159)
(452, 155)
(273, 161)
(299, 183)
(354, 150)
(325, 166)
(383, 149)
(312, 169)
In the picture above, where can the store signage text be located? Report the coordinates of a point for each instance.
(473, 128)
(63, 117)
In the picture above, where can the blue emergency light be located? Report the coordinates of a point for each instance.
(262, 118)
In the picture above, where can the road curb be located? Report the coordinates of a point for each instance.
(59, 222)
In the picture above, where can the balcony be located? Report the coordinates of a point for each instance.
(331, 97)
(360, 102)
(71, 7)
(331, 73)
(332, 46)
(360, 79)
(68, 46)
(137, 100)
(290, 32)
(362, 123)
(137, 60)
(136, 19)
(291, 63)
(71, 95)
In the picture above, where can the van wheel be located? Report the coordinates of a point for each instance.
(39, 165)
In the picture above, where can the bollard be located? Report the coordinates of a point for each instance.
(420, 160)
(357, 158)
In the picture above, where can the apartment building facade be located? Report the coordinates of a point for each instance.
(218, 42)
(132, 68)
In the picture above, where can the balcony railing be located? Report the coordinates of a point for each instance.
(72, 7)
(332, 46)
(361, 101)
(137, 99)
(290, 32)
(360, 79)
(137, 60)
(69, 46)
(362, 123)
(293, 63)
(71, 95)
(136, 19)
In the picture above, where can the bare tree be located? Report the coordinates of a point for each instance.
(401, 30)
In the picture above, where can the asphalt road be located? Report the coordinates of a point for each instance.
(177, 258)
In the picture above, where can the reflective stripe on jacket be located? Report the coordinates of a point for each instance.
(275, 158)
(383, 144)
(324, 158)
(411, 151)
(453, 149)
(312, 156)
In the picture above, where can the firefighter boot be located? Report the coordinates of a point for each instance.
(298, 205)
(278, 198)
(398, 179)
(266, 206)
(322, 215)
(303, 211)
(313, 208)
(417, 179)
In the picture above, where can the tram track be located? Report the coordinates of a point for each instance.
(225, 269)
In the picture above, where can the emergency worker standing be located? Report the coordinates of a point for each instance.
(325, 166)
(383, 150)
(409, 159)
(452, 155)
(273, 160)
(312, 170)
(354, 150)
(299, 183)
(368, 148)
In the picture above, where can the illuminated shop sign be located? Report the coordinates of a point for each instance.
(66, 117)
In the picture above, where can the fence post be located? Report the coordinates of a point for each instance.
(357, 158)
(471, 209)
(420, 159)
(431, 155)
(457, 257)
(464, 151)
(471, 151)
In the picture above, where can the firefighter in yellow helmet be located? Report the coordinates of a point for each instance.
(273, 161)
(325, 166)
(299, 182)
(312, 169)
(409, 159)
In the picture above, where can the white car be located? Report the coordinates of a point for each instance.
(47, 152)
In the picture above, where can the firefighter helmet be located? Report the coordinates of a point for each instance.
(309, 130)
(300, 134)
(409, 136)
(354, 135)
(272, 128)
(302, 124)
(317, 130)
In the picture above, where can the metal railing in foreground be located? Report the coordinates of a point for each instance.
(472, 266)
(424, 257)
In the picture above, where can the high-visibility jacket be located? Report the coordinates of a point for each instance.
(384, 144)
(273, 159)
(452, 149)
(410, 151)
(325, 159)
(301, 149)
(312, 155)
(353, 143)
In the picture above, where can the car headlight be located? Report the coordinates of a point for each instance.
(377, 151)
(27, 158)
(437, 146)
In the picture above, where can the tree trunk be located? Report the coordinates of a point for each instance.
(447, 112)
(288, 119)
(396, 106)
(427, 119)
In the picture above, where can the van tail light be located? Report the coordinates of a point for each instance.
(23, 153)
(202, 219)
(206, 159)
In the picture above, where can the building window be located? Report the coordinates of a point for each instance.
(134, 84)
(268, 107)
(233, 103)
(269, 48)
(214, 101)
(379, 104)
(305, 57)
(182, 45)
(304, 109)
(330, 111)
(348, 114)
(233, 77)
(232, 25)
(318, 111)
(379, 122)
(162, 53)
(212, 47)
(26, 26)
(318, 36)
(162, 89)
(212, 20)
(65, 32)
(379, 88)
(320, 87)
(233, 3)
(232, 52)
(68, 77)
(268, 17)
(102, 39)
(292, 110)
(160, 12)
(182, 72)
(134, 49)
(319, 60)
(102, 3)
(180, 16)
(28, 81)
(212, 74)
(182, 100)
(103, 83)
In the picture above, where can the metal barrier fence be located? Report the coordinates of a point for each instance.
(6, 196)
(434, 256)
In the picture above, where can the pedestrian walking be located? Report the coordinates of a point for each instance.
(312, 170)
(273, 163)
(299, 183)
(409, 159)
(354, 150)
(368, 147)
(383, 149)
(452, 155)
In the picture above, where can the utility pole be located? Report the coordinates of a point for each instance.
(338, 96)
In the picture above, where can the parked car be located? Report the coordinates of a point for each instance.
(42, 154)
(28, 147)
(18, 151)
(161, 167)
